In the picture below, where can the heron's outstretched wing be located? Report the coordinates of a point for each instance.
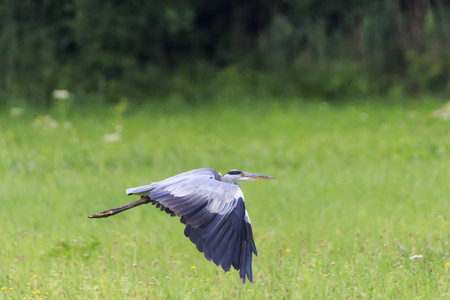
(214, 214)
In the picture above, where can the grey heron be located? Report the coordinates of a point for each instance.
(212, 208)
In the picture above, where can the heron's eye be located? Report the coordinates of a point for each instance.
(243, 174)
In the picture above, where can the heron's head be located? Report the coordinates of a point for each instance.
(236, 175)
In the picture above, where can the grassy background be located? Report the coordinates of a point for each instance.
(361, 188)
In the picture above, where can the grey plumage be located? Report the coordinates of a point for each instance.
(212, 208)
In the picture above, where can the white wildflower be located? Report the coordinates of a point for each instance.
(112, 137)
(45, 122)
(442, 113)
(363, 117)
(416, 256)
(52, 124)
(67, 125)
(60, 94)
(412, 114)
(31, 166)
(16, 111)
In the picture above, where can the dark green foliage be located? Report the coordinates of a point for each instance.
(202, 50)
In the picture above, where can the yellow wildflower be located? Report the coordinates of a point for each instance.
(193, 267)
(288, 250)
(217, 293)
(212, 294)
(447, 264)
(28, 283)
(11, 289)
(35, 276)
(207, 279)
(36, 292)
(4, 288)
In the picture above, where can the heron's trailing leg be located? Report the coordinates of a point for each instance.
(113, 211)
(143, 200)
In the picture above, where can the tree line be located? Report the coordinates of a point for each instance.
(198, 49)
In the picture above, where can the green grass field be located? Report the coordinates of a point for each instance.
(361, 189)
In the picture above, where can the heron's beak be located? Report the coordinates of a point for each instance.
(252, 176)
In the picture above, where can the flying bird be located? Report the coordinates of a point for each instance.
(212, 208)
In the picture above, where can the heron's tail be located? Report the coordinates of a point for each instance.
(113, 211)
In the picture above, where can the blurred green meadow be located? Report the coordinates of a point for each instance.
(361, 189)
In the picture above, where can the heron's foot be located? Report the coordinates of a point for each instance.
(103, 214)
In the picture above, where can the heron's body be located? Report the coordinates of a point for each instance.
(212, 208)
